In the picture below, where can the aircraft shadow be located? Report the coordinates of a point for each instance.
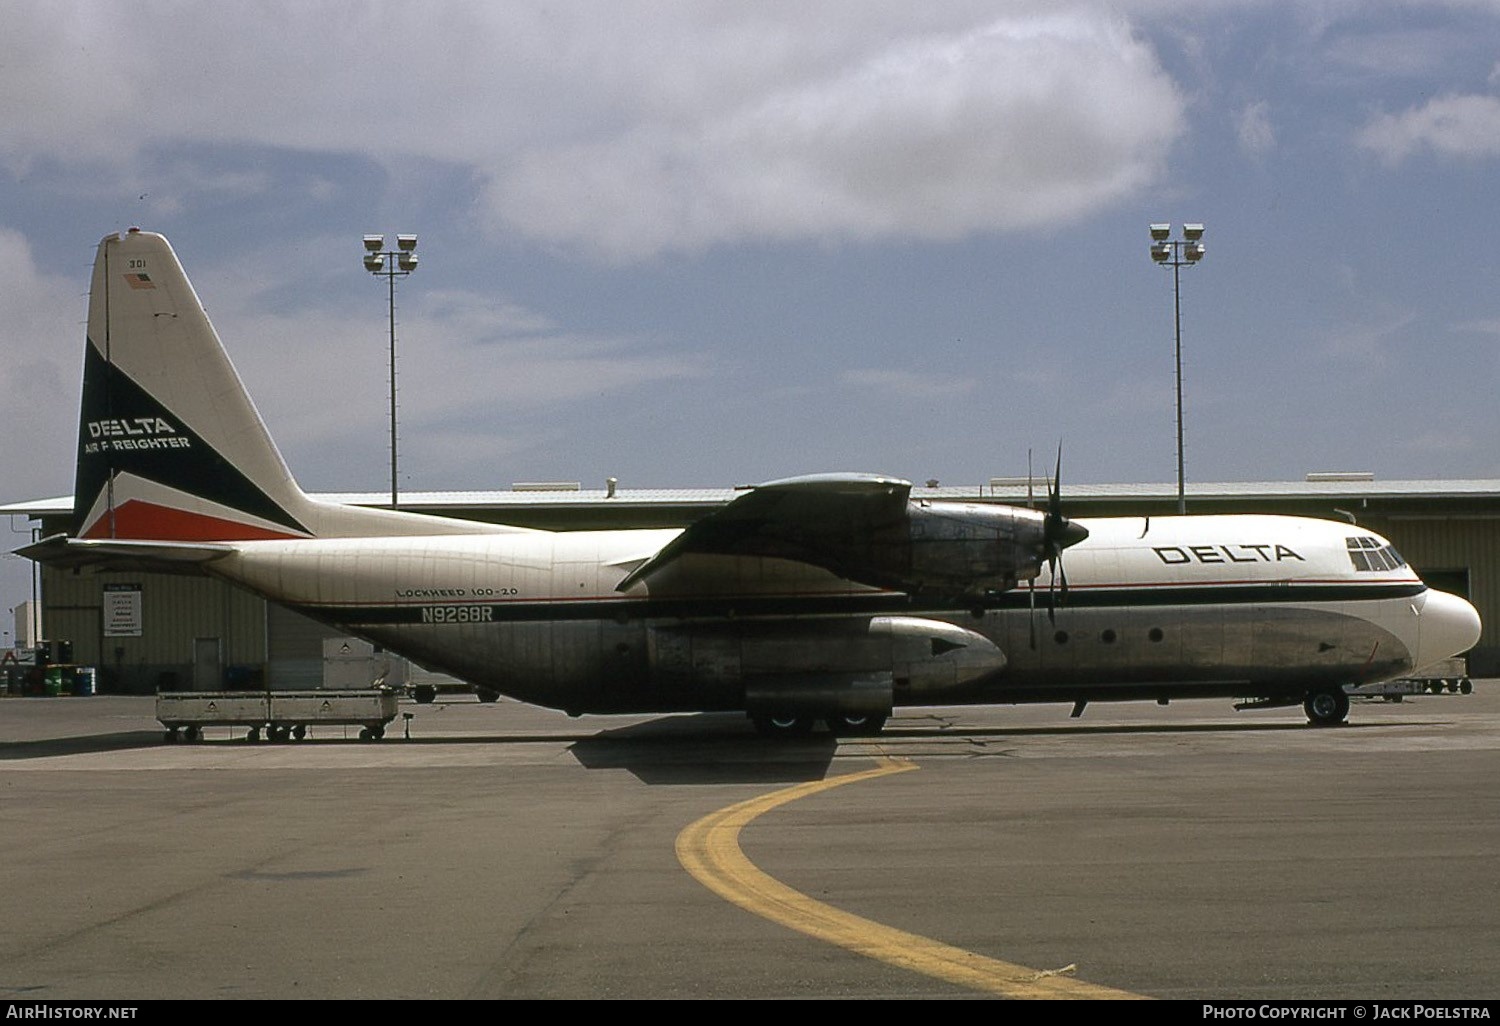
(1088, 729)
(709, 748)
(85, 745)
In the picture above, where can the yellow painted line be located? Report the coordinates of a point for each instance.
(710, 850)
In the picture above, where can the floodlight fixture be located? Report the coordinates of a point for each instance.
(1192, 232)
(1160, 232)
(374, 243)
(409, 242)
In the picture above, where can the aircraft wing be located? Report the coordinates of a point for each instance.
(818, 519)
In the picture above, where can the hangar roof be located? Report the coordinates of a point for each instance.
(1324, 488)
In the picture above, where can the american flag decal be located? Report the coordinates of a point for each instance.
(139, 281)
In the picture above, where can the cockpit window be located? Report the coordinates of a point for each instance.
(1368, 553)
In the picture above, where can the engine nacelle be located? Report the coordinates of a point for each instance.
(946, 548)
(929, 657)
(971, 547)
(857, 667)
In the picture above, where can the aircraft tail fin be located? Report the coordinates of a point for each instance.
(170, 446)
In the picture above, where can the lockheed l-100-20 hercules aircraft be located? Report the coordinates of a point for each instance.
(828, 599)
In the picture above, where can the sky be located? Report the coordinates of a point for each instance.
(703, 244)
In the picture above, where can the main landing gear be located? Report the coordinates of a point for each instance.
(840, 724)
(849, 725)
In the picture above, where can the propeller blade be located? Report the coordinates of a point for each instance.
(1054, 497)
(1031, 615)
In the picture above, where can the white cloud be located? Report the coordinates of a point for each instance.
(468, 366)
(1364, 345)
(41, 350)
(1463, 126)
(1017, 124)
(1440, 443)
(909, 384)
(627, 130)
(1253, 127)
(1488, 326)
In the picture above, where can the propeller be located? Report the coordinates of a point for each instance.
(1058, 532)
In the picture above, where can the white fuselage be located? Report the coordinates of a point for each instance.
(1213, 605)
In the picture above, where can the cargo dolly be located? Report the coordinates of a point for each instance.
(281, 715)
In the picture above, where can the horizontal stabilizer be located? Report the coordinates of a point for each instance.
(124, 554)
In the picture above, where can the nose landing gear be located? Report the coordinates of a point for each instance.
(1326, 707)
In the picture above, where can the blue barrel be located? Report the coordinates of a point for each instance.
(83, 681)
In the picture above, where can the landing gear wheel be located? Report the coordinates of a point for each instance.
(253, 734)
(424, 694)
(1326, 708)
(193, 735)
(848, 725)
(486, 695)
(299, 731)
(782, 725)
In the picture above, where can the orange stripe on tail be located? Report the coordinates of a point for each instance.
(147, 521)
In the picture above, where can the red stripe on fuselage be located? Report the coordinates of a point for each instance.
(146, 521)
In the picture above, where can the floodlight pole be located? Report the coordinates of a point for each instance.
(391, 264)
(1177, 254)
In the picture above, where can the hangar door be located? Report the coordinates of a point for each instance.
(294, 649)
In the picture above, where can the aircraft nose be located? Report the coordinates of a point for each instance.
(1448, 626)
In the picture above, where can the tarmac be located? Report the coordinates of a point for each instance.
(505, 851)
